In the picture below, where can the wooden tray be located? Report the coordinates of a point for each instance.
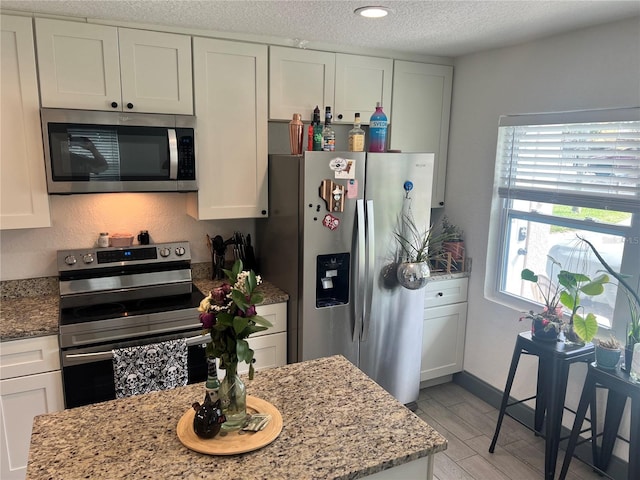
(233, 442)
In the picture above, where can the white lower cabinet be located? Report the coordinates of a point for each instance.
(30, 385)
(270, 346)
(445, 320)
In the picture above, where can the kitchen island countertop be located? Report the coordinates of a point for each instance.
(338, 424)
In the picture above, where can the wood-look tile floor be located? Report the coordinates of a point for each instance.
(468, 423)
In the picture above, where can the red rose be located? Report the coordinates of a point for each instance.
(207, 319)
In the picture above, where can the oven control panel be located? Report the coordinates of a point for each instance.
(96, 258)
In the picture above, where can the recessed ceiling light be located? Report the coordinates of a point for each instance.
(372, 12)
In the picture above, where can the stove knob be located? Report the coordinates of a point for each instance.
(165, 252)
(70, 260)
(180, 251)
(87, 258)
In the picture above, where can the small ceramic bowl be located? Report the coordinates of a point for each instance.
(121, 240)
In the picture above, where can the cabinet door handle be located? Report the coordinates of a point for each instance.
(129, 105)
(440, 294)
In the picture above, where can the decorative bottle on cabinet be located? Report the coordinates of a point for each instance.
(328, 134)
(378, 130)
(317, 131)
(296, 132)
(356, 136)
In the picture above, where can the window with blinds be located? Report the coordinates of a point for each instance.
(558, 177)
(583, 164)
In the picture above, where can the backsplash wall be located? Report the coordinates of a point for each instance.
(78, 219)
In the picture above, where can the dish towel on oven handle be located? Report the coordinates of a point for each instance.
(147, 368)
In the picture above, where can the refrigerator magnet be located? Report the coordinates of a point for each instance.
(330, 221)
(337, 164)
(352, 188)
(349, 171)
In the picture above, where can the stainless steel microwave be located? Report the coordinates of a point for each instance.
(97, 152)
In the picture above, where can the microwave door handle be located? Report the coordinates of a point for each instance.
(173, 154)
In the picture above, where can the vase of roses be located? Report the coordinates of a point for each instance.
(228, 314)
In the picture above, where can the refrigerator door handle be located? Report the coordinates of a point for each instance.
(361, 269)
(371, 258)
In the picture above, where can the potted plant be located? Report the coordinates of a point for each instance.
(608, 352)
(547, 324)
(580, 327)
(453, 243)
(633, 299)
(566, 292)
(418, 250)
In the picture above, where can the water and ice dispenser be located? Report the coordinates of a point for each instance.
(332, 279)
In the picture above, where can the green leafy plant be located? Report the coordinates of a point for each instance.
(633, 298)
(574, 285)
(228, 314)
(549, 291)
(419, 245)
(453, 232)
(567, 292)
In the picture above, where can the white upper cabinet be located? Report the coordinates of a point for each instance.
(24, 202)
(298, 81)
(360, 83)
(301, 79)
(420, 115)
(97, 67)
(230, 81)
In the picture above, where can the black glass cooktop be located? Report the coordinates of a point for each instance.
(106, 311)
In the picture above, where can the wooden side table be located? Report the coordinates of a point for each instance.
(554, 360)
(620, 387)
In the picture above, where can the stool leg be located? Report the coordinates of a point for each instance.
(634, 440)
(613, 415)
(585, 400)
(507, 390)
(555, 406)
(541, 393)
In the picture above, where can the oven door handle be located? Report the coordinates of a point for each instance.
(78, 358)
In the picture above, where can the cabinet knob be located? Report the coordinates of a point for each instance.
(340, 116)
(441, 204)
(264, 212)
(440, 294)
(129, 105)
(114, 104)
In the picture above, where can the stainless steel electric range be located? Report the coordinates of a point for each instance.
(119, 297)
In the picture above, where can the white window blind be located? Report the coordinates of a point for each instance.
(580, 163)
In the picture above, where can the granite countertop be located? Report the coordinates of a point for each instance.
(338, 424)
(30, 307)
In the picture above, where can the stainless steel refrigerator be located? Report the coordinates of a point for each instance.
(329, 243)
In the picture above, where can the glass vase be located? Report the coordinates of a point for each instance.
(233, 397)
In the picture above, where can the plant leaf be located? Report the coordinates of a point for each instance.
(585, 328)
(261, 321)
(239, 324)
(567, 300)
(528, 275)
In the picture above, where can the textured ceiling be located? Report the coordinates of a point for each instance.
(445, 28)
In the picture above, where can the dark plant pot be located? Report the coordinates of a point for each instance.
(607, 357)
(539, 333)
(628, 356)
